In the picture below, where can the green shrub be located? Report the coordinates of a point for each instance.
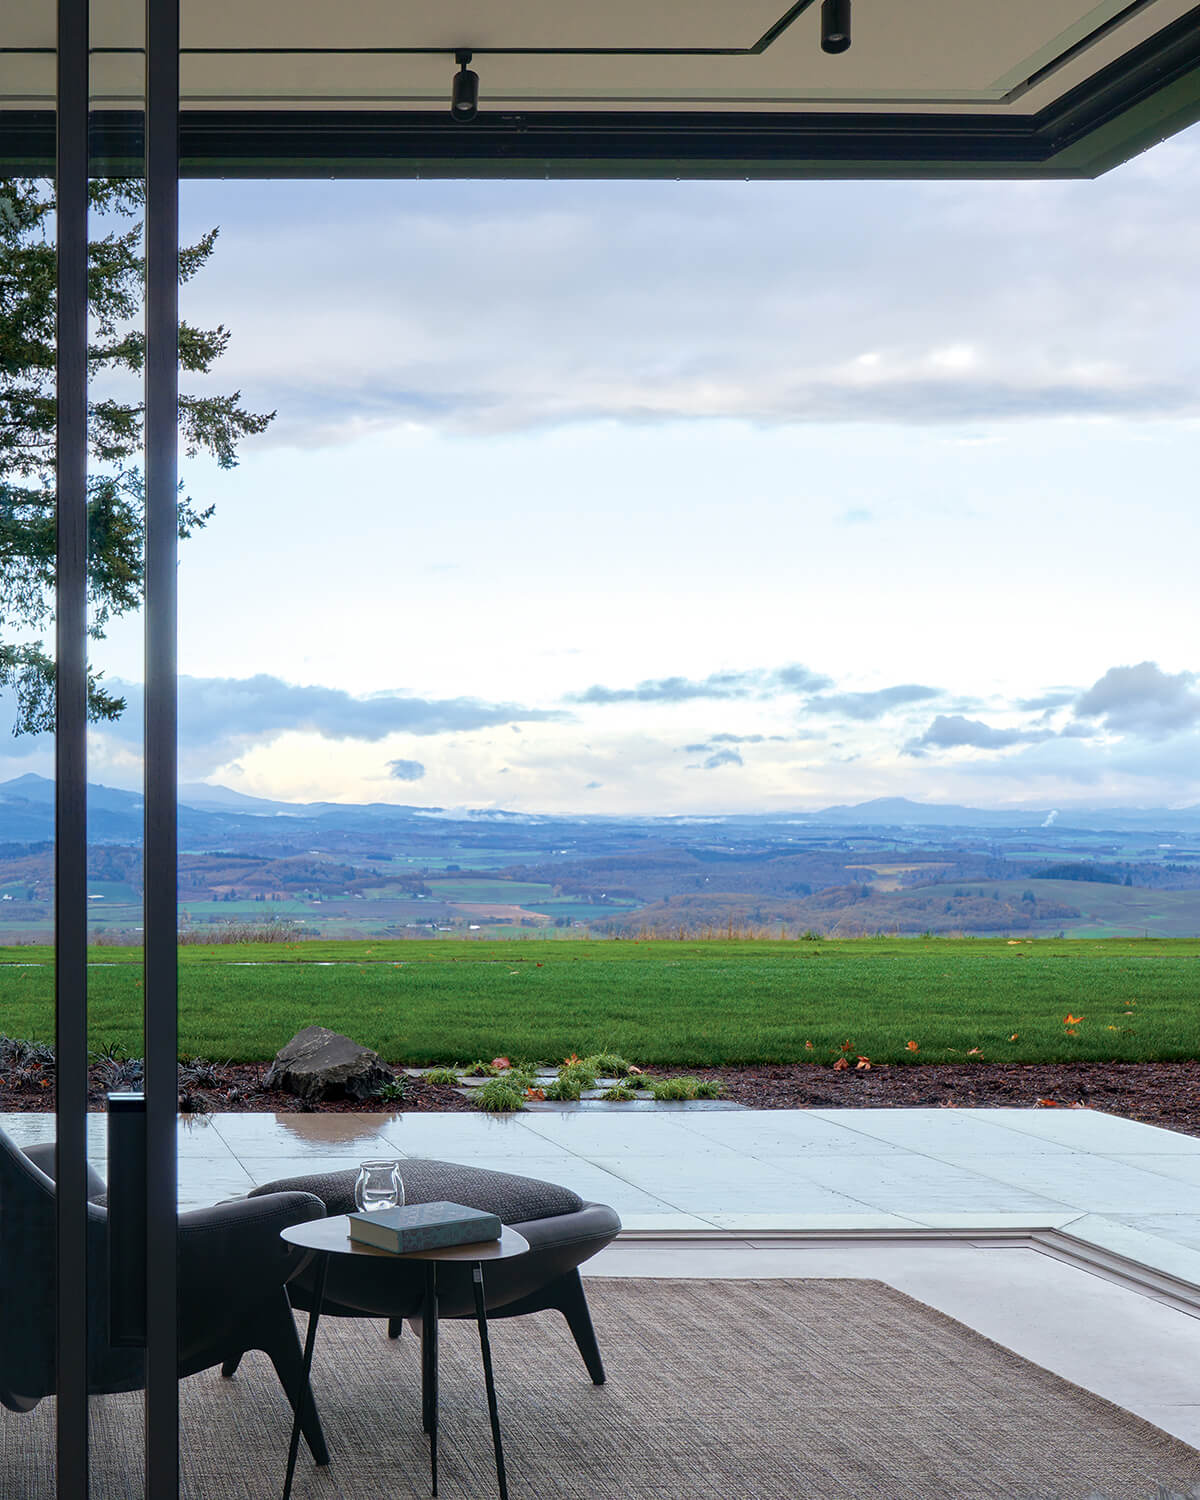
(393, 1091)
(442, 1075)
(500, 1096)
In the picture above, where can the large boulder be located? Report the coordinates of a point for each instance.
(320, 1064)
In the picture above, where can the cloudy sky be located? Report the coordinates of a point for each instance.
(697, 497)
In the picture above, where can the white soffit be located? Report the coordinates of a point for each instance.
(922, 57)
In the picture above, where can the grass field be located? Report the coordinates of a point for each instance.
(675, 1003)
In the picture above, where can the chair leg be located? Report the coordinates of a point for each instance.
(281, 1343)
(572, 1303)
(229, 1368)
(395, 1327)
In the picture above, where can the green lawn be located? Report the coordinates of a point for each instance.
(676, 1003)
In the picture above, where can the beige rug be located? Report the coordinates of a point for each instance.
(717, 1390)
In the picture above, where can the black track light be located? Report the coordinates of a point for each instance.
(835, 25)
(464, 91)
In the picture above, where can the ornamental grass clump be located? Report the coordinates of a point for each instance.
(670, 1089)
(607, 1064)
(442, 1075)
(500, 1096)
(565, 1090)
(620, 1093)
(576, 1071)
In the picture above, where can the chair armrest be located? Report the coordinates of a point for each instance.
(234, 1249)
(43, 1157)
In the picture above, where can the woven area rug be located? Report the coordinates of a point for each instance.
(717, 1390)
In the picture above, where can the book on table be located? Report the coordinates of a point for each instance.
(423, 1226)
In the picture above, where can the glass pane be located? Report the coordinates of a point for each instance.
(27, 768)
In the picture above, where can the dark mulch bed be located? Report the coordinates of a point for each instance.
(1165, 1094)
(238, 1090)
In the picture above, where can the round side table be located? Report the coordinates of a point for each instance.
(323, 1238)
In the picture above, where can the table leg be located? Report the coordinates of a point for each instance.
(485, 1349)
(304, 1387)
(429, 1368)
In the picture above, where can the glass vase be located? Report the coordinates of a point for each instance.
(378, 1186)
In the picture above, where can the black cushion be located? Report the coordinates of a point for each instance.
(517, 1200)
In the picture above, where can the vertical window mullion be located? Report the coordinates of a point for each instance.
(70, 829)
(160, 844)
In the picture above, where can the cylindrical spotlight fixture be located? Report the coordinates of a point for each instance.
(464, 91)
(835, 25)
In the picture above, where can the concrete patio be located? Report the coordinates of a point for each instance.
(1070, 1236)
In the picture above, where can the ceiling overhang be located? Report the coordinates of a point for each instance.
(715, 89)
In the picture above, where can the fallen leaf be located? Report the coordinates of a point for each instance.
(632, 1069)
(864, 1063)
(538, 966)
(501, 1062)
(1047, 1104)
(975, 1052)
(912, 1046)
(1070, 1020)
(846, 1046)
(808, 1046)
(532, 1093)
(1014, 942)
(1015, 1036)
(1071, 1031)
(840, 1064)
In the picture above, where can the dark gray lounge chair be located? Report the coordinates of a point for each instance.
(232, 1270)
(563, 1231)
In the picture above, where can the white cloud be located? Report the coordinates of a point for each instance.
(928, 303)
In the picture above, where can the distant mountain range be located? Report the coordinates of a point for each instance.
(213, 817)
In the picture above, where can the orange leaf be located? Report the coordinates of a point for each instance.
(1015, 1036)
(501, 1062)
(1047, 1104)
(840, 1064)
(570, 1061)
(864, 1063)
(912, 1046)
(846, 1046)
(808, 1046)
(532, 1093)
(1070, 1020)
(975, 1052)
(632, 1069)
(1071, 1031)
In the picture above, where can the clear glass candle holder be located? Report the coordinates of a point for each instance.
(378, 1186)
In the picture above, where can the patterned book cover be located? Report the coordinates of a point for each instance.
(424, 1226)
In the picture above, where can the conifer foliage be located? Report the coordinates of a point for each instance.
(208, 424)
